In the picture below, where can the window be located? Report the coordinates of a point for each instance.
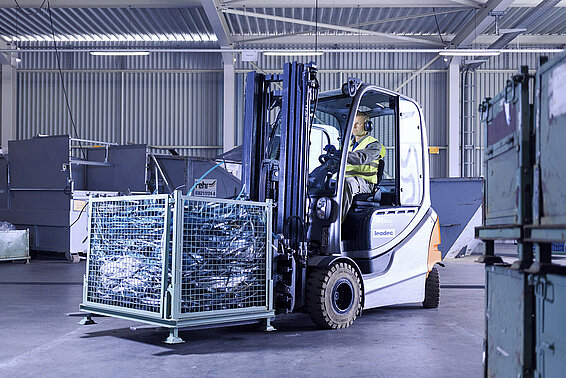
(411, 153)
(379, 107)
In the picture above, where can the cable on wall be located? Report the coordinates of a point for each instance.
(30, 14)
(437, 26)
(62, 80)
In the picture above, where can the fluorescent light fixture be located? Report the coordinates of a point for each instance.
(293, 53)
(516, 30)
(533, 51)
(462, 52)
(473, 61)
(119, 53)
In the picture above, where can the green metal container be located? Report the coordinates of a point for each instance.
(507, 154)
(509, 326)
(550, 294)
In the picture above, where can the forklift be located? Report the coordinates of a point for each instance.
(295, 150)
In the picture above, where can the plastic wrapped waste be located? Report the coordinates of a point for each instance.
(223, 256)
(126, 247)
(6, 226)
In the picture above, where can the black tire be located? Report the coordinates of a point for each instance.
(432, 290)
(334, 296)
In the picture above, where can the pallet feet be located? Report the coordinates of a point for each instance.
(268, 327)
(87, 320)
(173, 337)
(73, 258)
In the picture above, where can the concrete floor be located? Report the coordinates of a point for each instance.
(38, 339)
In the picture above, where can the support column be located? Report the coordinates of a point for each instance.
(8, 105)
(229, 102)
(453, 119)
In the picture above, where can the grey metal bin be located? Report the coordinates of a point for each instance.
(14, 245)
(179, 261)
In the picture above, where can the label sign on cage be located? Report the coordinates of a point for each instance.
(205, 188)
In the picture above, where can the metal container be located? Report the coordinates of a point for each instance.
(550, 294)
(45, 191)
(507, 159)
(179, 261)
(550, 125)
(14, 245)
(509, 326)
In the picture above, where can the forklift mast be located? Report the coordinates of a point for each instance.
(278, 113)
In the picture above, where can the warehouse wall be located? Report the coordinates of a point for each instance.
(176, 99)
(163, 99)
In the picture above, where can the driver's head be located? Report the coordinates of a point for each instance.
(361, 119)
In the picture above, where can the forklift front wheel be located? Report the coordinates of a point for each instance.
(432, 290)
(334, 296)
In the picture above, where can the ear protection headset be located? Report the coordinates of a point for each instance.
(368, 125)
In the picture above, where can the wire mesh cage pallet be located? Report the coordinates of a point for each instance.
(178, 261)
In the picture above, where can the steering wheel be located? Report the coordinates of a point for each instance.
(331, 154)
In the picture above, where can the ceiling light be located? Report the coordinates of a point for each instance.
(462, 52)
(293, 53)
(515, 30)
(119, 53)
(533, 51)
(474, 61)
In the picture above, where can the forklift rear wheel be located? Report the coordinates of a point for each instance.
(432, 290)
(334, 296)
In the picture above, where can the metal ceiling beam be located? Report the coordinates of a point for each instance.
(217, 21)
(480, 22)
(256, 3)
(525, 22)
(355, 40)
(329, 26)
(473, 4)
(369, 3)
(374, 22)
(104, 3)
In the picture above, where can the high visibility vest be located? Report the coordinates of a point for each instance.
(365, 171)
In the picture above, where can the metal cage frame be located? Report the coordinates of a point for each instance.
(170, 314)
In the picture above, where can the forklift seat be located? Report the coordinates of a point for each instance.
(374, 198)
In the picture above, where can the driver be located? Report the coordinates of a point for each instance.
(364, 153)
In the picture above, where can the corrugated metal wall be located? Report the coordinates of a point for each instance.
(176, 99)
(163, 99)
